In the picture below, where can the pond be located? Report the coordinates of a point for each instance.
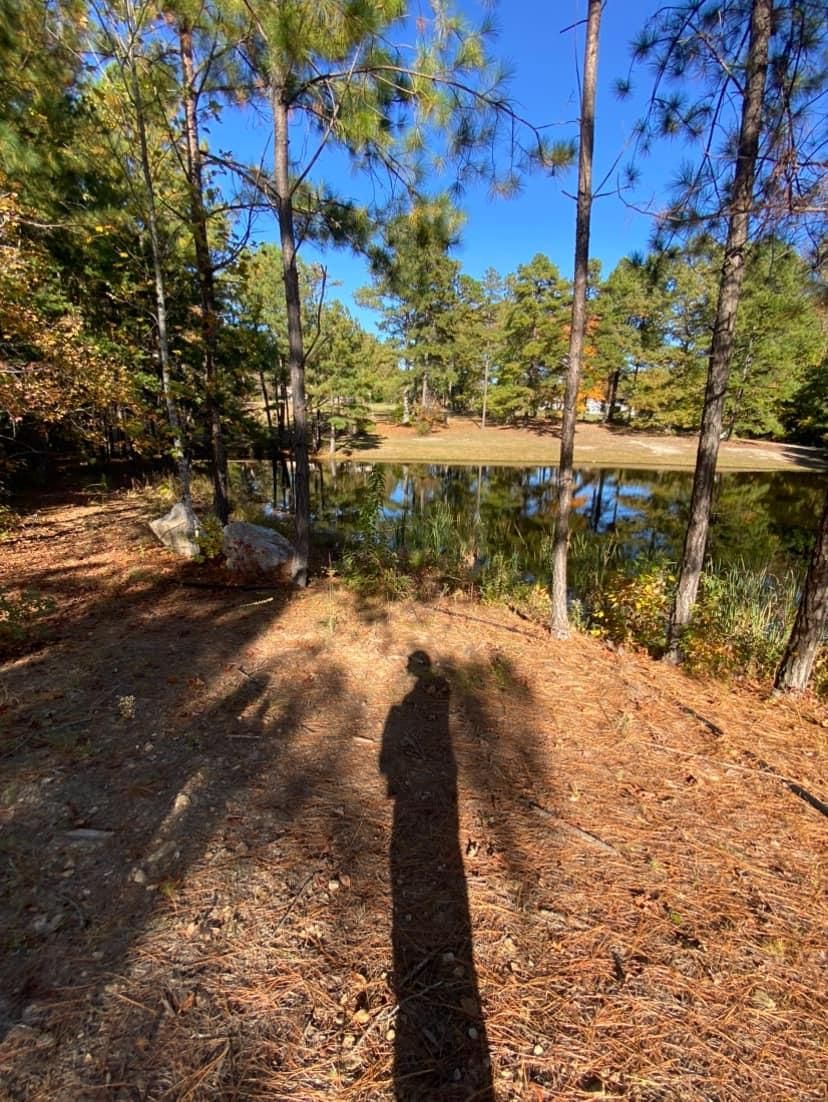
(761, 519)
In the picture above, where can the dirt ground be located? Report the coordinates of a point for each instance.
(463, 441)
(292, 845)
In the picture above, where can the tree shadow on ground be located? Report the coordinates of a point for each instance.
(814, 459)
(536, 426)
(197, 901)
(125, 740)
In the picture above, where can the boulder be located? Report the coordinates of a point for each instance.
(252, 550)
(178, 530)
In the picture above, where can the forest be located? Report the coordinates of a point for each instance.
(458, 731)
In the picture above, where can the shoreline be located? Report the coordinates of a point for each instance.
(463, 443)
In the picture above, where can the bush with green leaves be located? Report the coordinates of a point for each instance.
(21, 616)
(210, 537)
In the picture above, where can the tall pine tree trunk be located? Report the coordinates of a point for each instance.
(721, 349)
(798, 660)
(612, 396)
(206, 283)
(485, 389)
(296, 353)
(560, 547)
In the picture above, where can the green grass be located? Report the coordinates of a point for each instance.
(464, 443)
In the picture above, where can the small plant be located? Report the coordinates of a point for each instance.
(633, 608)
(126, 707)
(210, 538)
(9, 522)
(20, 616)
(741, 622)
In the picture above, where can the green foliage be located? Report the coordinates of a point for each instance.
(806, 414)
(652, 337)
(415, 290)
(535, 341)
(21, 617)
(632, 608)
(741, 622)
(210, 537)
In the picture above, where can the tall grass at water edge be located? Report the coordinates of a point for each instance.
(741, 623)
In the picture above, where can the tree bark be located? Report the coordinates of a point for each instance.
(612, 395)
(806, 635)
(296, 353)
(206, 282)
(560, 547)
(485, 389)
(721, 349)
(273, 446)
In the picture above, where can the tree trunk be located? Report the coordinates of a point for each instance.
(179, 448)
(296, 354)
(560, 547)
(273, 446)
(721, 349)
(284, 434)
(612, 395)
(206, 283)
(798, 660)
(485, 390)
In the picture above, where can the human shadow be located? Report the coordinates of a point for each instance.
(440, 1044)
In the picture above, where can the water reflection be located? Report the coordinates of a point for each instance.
(760, 518)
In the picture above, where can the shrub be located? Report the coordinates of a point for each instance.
(9, 522)
(20, 616)
(633, 608)
(210, 537)
(741, 622)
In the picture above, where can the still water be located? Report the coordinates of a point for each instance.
(760, 518)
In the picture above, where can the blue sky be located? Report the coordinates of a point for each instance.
(503, 233)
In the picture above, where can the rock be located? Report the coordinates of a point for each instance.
(251, 549)
(180, 803)
(178, 530)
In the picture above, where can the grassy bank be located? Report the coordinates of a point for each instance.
(462, 441)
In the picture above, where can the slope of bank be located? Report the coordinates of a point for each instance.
(255, 849)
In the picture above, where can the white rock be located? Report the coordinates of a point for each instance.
(178, 530)
(252, 549)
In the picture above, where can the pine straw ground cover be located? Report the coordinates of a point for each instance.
(601, 886)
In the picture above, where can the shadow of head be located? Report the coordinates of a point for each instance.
(419, 663)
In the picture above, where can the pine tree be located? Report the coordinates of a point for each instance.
(759, 163)
(577, 334)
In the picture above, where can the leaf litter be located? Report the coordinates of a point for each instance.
(197, 897)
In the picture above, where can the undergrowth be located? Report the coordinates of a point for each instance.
(741, 624)
(21, 616)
